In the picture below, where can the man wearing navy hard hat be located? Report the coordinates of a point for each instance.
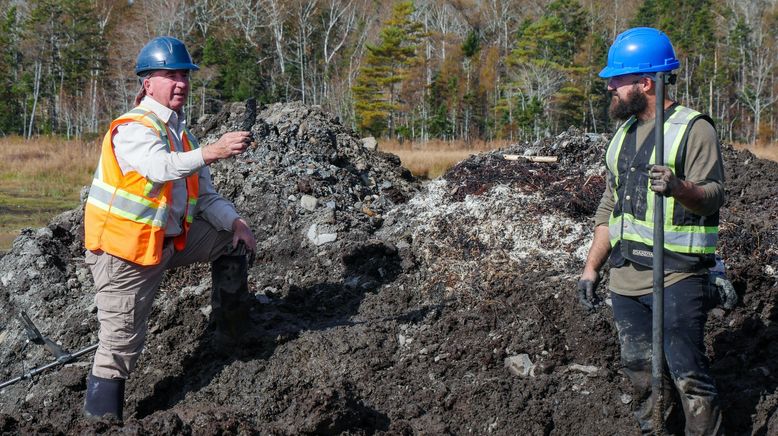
(691, 181)
(151, 207)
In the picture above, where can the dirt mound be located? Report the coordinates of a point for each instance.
(380, 309)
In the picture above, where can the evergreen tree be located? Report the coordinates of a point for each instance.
(66, 50)
(10, 105)
(542, 68)
(239, 76)
(386, 66)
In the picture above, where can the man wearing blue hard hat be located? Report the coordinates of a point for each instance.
(691, 181)
(151, 207)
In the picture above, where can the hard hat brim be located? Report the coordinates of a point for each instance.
(147, 68)
(608, 72)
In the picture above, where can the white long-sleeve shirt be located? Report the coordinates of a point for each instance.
(138, 148)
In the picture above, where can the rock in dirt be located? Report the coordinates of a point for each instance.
(586, 369)
(519, 365)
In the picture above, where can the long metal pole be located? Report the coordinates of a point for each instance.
(658, 355)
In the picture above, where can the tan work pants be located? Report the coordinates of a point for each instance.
(125, 293)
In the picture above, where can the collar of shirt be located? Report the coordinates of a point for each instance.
(167, 115)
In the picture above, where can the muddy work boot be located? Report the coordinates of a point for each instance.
(104, 398)
(230, 300)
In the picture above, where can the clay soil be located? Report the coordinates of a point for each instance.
(403, 323)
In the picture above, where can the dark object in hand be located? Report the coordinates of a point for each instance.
(249, 117)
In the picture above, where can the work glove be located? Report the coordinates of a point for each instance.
(722, 289)
(663, 181)
(587, 294)
(727, 295)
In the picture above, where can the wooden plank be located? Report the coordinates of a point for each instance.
(539, 159)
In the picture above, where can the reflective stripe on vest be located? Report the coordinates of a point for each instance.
(680, 239)
(686, 239)
(126, 204)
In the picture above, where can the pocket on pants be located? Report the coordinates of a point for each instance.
(116, 313)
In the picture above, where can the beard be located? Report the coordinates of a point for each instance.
(635, 103)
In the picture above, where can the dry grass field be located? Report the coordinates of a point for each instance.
(40, 178)
(431, 159)
(762, 151)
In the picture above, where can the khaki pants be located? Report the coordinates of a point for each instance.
(125, 293)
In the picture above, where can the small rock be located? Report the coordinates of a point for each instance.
(440, 357)
(320, 239)
(519, 365)
(626, 398)
(367, 211)
(309, 202)
(370, 143)
(588, 369)
(44, 233)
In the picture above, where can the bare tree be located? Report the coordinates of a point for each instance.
(338, 21)
(246, 16)
(35, 94)
(304, 11)
(275, 13)
(758, 62)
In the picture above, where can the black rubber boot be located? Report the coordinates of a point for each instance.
(230, 302)
(104, 397)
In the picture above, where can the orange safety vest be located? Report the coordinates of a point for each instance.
(126, 214)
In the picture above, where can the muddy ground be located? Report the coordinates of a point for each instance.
(389, 306)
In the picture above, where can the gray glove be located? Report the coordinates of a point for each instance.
(587, 295)
(663, 181)
(727, 295)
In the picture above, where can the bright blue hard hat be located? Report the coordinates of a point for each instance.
(164, 53)
(640, 50)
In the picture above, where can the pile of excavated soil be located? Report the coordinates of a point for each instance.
(383, 306)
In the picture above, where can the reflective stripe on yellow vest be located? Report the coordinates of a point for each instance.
(624, 226)
(126, 214)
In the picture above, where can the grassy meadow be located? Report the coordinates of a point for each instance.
(433, 158)
(40, 178)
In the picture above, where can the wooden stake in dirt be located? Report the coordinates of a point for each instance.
(538, 159)
(658, 307)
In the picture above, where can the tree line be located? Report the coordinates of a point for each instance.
(417, 70)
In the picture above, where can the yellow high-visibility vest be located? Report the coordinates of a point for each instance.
(688, 237)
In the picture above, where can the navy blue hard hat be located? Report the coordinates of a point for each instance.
(640, 50)
(164, 53)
